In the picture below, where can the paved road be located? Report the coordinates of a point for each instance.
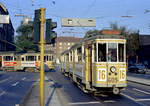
(70, 94)
(143, 76)
(14, 86)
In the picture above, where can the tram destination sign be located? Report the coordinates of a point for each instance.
(78, 22)
(4, 19)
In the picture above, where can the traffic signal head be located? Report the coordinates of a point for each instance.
(36, 26)
(50, 34)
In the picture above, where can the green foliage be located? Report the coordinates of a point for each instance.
(25, 30)
(24, 38)
(131, 36)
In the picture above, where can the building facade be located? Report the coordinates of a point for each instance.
(6, 32)
(64, 43)
(144, 51)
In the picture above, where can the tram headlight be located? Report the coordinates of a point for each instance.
(112, 69)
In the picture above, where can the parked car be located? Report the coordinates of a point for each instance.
(138, 68)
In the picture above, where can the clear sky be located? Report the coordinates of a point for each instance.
(105, 12)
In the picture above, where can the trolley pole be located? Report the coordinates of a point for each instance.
(42, 20)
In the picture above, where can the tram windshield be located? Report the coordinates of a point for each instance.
(110, 52)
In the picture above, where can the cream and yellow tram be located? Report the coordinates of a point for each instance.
(98, 64)
(65, 63)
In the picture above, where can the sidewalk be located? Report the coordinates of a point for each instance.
(51, 97)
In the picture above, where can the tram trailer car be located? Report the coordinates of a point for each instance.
(8, 61)
(65, 64)
(98, 64)
(31, 61)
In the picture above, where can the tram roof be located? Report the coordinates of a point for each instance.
(93, 38)
(105, 37)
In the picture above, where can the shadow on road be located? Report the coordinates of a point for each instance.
(54, 86)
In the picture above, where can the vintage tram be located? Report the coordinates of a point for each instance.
(30, 61)
(97, 64)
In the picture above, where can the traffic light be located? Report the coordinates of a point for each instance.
(36, 26)
(50, 34)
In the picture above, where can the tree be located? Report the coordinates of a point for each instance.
(24, 38)
(131, 36)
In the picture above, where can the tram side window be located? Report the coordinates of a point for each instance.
(71, 56)
(39, 58)
(45, 58)
(95, 53)
(79, 54)
(67, 57)
(30, 58)
(121, 52)
(101, 52)
(112, 52)
(52, 57)
(22, 58)
(8, 58)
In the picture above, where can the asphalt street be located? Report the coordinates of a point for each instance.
(69, 94)
(14, 86)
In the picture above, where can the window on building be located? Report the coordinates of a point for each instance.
(60, 43)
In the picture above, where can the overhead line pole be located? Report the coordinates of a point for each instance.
(42, 41)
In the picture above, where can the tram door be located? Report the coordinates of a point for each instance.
(90, 63)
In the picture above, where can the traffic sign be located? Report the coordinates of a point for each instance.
(4, 19)
(78, 22)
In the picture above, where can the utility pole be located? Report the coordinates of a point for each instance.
(42, 41)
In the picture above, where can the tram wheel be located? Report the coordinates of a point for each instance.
(116, 91)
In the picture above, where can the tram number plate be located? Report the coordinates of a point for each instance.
(112, 80)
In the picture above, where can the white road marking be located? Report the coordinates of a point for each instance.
(2, 93)
(109, 101)
(138, 100)
(5, 80)
(15, 84)
(127, 96)
(23, 78)
(141, 91)
(135, 100)
(84, 103)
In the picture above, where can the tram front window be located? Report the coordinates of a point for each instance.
(112, 52)
(102, 52)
